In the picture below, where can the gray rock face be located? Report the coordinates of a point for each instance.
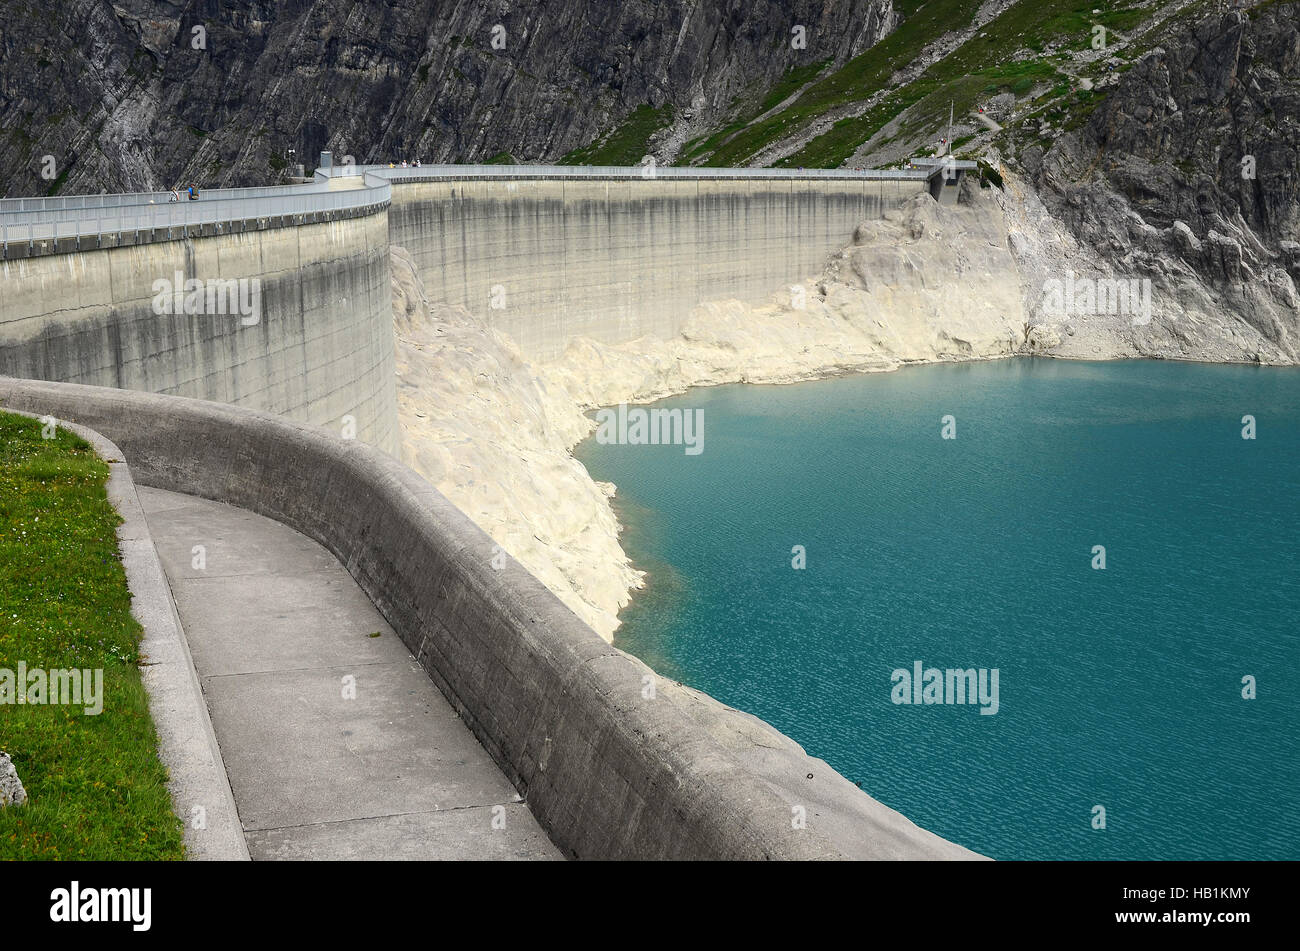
(120, 97)
(1188, 174)
(11, 787)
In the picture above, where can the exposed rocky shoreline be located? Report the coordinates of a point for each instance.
(1183, 176)
(928, 284)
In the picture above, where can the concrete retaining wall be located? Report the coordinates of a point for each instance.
(613, 761)
(546, 260)
(321, 349)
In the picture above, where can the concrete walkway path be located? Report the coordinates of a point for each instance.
(337, 744)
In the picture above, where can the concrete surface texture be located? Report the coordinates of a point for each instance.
(614, 761)
(337, 745)
(320, 350)
(925, 283)
(549, 260)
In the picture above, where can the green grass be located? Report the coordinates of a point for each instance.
(95, 786)
(857, 80)
(980, 68)
(965, 76)
(795, 79)
(627, 144)
(501, 158)
(990, 174)
(789, 83)
(1075, 22)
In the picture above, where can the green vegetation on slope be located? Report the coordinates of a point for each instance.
(627, 144)
(984, 65)
(856, 81)
(787, 86)
(95, 786)
(1020, 51)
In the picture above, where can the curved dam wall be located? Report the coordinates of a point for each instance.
(613, 761)
(543, 254)
(317, 347)
(549, 259)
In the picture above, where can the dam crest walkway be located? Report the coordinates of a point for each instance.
(336, 743)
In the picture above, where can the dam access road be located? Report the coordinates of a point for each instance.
(337, 745)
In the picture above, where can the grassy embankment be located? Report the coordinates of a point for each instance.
(626, 144)
(95, 786)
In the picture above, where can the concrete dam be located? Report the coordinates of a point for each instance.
(543, 255)
(546, 259)
(287, 409)
(86, 296)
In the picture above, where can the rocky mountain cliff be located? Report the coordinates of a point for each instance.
(138, 94)
(1187, 174)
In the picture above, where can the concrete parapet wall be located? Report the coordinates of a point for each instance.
(17, 249)
(613, 761)
(615, 260)
(321, 349)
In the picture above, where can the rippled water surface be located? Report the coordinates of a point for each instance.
(1119, 687)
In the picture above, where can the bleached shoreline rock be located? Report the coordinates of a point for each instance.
(494, 433)
(927, 284)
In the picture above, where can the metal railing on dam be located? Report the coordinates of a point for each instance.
(628, 173)
(28, 220)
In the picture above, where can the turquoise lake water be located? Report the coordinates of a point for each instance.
(1119, 687)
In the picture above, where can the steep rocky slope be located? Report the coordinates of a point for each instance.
(1187, 174)
(139, 94)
